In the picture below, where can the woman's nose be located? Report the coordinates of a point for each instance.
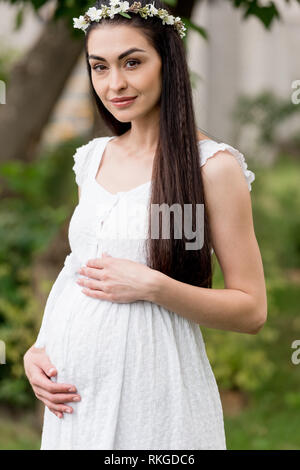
(117, 80)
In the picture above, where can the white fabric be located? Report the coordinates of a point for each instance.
(208, 148)
(141, 370)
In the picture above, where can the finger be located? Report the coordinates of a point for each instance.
(91, 284)
(94, 273)
(57, 413)
(42, 381)
(97, 294)
(57, 398)
(95, 263)
(59, 408)
(43, 362)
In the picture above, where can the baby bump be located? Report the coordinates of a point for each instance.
(86, 337)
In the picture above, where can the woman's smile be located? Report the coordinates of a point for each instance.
(123, 104)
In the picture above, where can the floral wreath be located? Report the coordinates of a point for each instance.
(122, 8)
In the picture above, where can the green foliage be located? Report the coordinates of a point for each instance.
(43, 197)
(74, 8)
(265, 13)
(266, 112)
(7, 58)
(239, 361)
(276, 215)
(19, 431)
(191, 25)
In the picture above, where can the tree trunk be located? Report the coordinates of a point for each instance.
(35, 84)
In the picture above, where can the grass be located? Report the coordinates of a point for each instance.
(19, 431)
(264, 427)
(272, 420)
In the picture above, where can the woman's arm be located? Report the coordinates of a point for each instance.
(242, 305)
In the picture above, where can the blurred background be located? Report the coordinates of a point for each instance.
(243, 58)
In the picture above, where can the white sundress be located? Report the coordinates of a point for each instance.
(141, 370)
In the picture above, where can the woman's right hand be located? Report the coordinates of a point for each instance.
(38, 369)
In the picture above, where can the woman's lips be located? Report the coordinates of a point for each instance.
(123, 104)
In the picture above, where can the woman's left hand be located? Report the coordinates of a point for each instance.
(117, 279)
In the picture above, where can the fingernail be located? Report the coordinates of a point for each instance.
(50, 371)
(72, 389)
(76, 399)
(68, 411)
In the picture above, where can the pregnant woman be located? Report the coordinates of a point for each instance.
(121, 327)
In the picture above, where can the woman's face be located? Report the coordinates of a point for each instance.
(136, 74)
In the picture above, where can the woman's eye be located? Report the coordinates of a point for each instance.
(96, 67)
(135, 62)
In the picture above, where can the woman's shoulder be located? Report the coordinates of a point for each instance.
(201, 136)
(210, 148)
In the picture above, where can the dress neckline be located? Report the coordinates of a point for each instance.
(98, 162)
(97, 165)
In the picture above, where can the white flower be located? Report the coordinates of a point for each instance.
(91, 12)
(113, 3)
(169, 19)
(94, 14)
(124, 6)
(152, 10)
(116, 7)
(112, 11)
(161, 13)
(80, 23)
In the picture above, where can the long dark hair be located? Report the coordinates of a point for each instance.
(176, 172)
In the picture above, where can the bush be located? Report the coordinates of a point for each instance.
(41, 197)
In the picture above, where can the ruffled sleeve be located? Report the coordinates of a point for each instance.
(208, 148)
(82, 159)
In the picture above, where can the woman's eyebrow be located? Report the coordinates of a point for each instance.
(121, 56)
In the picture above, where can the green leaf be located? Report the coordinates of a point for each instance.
(265, 14)
(19, 18)
(172, 3)
(124, 14)
(189, 24)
